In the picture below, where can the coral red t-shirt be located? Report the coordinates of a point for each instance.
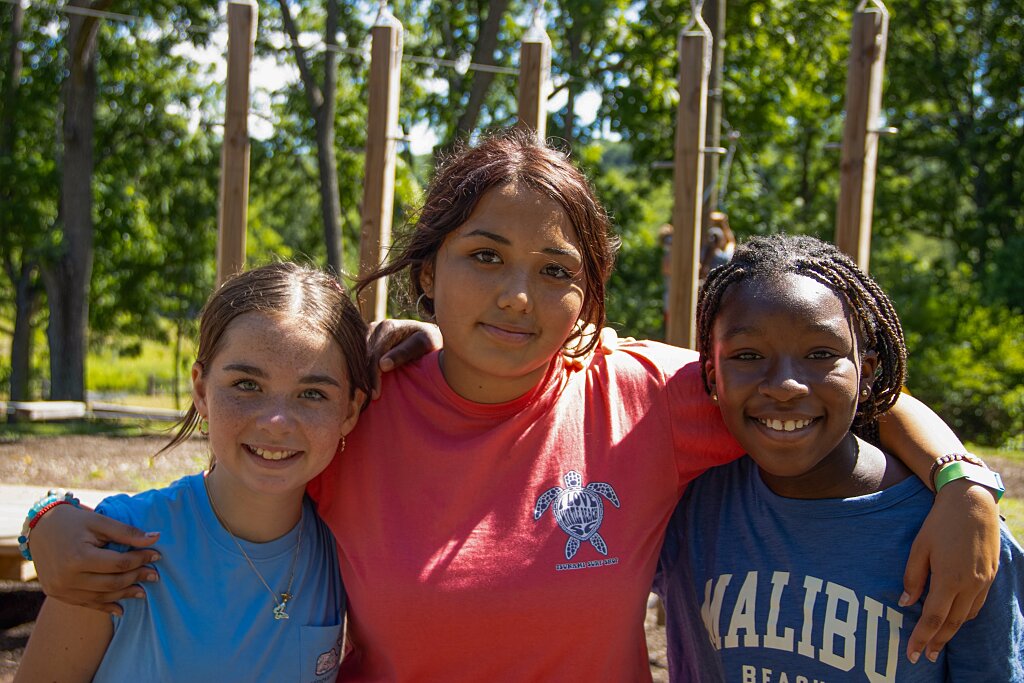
(517, 541)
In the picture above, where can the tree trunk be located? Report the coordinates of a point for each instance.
(480, 84)
(322, 105)
(26, 297)
(67, 279)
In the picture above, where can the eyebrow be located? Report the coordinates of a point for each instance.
(256, 372)
(820, 328)
(501, 239)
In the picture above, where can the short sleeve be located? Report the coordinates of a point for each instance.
(700, 438)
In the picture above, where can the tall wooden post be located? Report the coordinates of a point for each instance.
(688, 188)
(234, 153)
(716, 22)
(534, 72)
(860, 134)
(381, 138)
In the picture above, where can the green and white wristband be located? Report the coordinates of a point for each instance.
(975, 474)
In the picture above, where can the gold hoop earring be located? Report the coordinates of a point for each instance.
(419, 302)
(204, 427)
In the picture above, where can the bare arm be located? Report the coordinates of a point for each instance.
(957, 549)
(67, 644)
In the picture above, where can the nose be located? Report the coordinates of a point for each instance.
(783, 382)
(276, 416)
(515, 292)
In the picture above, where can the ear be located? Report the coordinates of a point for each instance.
(868, 365)
(427, 278)
(709, 370)
(199, 391)
(352, 410)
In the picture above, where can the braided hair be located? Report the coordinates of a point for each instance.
(766, 257)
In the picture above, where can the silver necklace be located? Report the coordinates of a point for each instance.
(279, 601)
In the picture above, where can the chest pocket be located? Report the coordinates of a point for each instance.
(320, 653)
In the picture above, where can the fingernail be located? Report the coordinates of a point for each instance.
(152, 534)
(932, 656)
(386, 363)
(904, 600)
(151, 578)
(154, 557)
(139, 594)
(914, 656)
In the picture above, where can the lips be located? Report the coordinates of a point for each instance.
(510, 333)
(789, 425)
(270, 453)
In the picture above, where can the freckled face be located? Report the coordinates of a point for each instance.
(508, 288)
(276, 395)
(787, 370)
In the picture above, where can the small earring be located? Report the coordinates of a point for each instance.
(419, 302)
(865, 392)
(341, 448)
(714, 397)
(204, 427)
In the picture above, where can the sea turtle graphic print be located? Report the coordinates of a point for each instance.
(578, 511)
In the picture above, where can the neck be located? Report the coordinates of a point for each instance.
(853, 468)
(252, 516)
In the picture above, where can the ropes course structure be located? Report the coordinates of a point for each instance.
(385, 56)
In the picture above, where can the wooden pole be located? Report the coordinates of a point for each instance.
(688, 187)
(381, 137)
(534, 72)
(716, 22)
(860, 134)
(234, 153)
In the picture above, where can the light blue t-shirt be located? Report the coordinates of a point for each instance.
(209, 617)
(807, 590)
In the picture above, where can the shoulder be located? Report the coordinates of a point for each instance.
(153, 504)
(651, 360)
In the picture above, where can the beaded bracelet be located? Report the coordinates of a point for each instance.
(52, 499)
(951, 458)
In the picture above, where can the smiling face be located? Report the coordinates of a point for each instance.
(278, 401)
(786, 366)
(507, 289)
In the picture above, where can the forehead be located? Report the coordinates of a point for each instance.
(283, 341)
(518, 210)
(779, 300)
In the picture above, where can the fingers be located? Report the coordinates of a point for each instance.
(945, 610)
(113, 531)
(915, 575)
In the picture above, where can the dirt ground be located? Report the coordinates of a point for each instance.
(126, 464)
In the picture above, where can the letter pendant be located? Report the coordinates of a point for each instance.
(279, 612)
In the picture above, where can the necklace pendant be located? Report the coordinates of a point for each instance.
(279, 610)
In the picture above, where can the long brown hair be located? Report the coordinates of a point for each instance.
(288, 289)
(503, 158)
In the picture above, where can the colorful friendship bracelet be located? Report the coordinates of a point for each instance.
(52, 499)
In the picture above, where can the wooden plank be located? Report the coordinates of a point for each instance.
(234, 156)
(534, 72)
(115, 410)
(860, 142)
(379, 186)
(32, 411)
(688, 188)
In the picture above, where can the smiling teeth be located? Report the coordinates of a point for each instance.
(272, 455)
(785, 426)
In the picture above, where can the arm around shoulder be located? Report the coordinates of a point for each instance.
(67, 644)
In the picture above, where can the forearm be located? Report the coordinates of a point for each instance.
(916, 435)
(67, 644)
